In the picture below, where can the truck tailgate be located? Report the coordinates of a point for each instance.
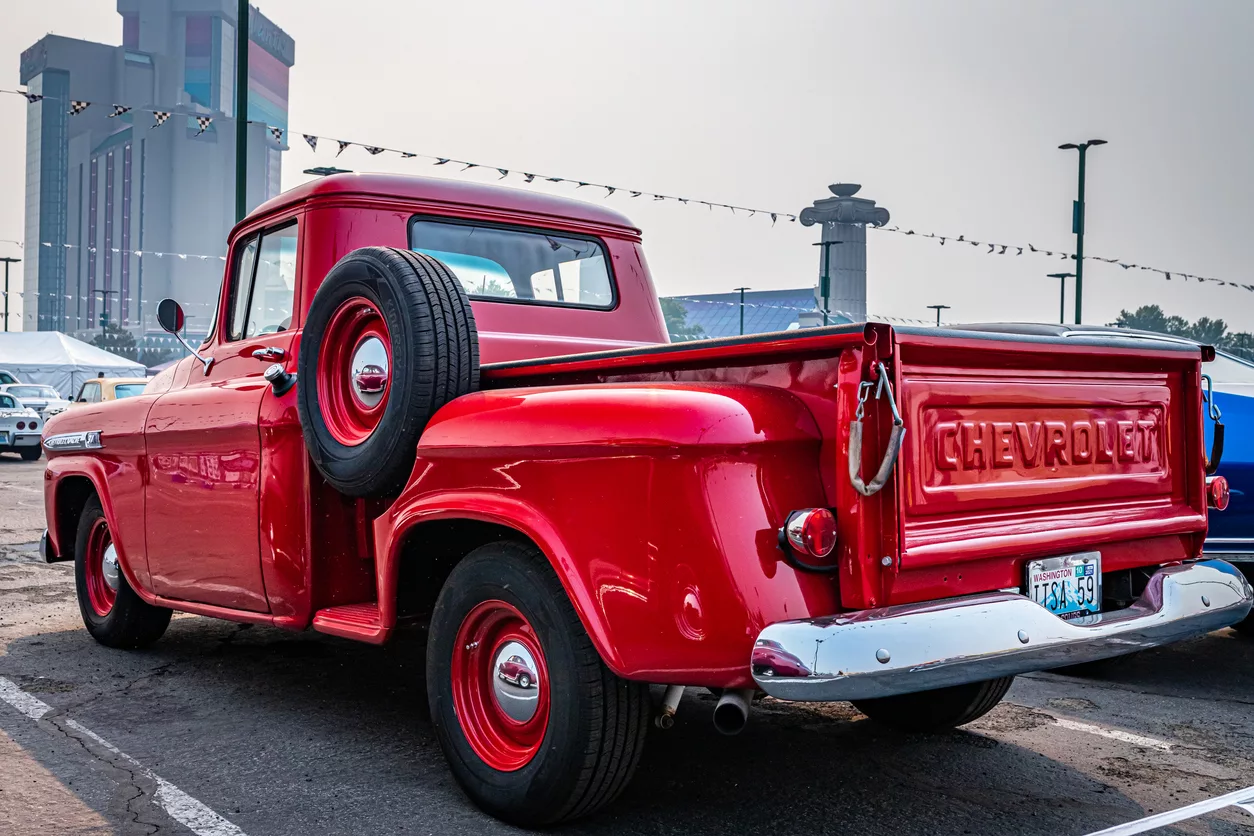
(1022, 448)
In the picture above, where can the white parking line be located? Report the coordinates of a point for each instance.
(1114, 734)
(178, 805)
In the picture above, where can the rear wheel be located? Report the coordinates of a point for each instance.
(536, 729)
(112, 612)
(389, 339)
(935, 710)
(31, 454)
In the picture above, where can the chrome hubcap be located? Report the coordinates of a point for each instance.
(370, 371)
(110, 567)
(516, 685)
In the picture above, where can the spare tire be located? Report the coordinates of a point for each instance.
(389, 339)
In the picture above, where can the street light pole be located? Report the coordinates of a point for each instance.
(1062, 295)
(1077, 223)
(241, 111)
(7, 261)
(938, 309)
(742, 308)
(825, 284)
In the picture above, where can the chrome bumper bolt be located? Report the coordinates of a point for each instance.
(1023, 637)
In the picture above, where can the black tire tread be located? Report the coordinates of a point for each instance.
(444, 364)
(132, 623)
(620, 708)
(943, 708)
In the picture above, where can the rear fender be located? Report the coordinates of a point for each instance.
(657, 505)
(391, 530)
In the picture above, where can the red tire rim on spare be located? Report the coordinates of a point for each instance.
(354, 371)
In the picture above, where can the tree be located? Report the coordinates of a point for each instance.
(116, 340)
(677, 325)
(1205, 330)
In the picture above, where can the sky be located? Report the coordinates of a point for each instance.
(949, 115)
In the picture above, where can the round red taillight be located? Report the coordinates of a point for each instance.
(1217, 493)
(21, 425)
(33, 425)
(811, 531)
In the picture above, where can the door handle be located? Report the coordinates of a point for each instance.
(270, 353)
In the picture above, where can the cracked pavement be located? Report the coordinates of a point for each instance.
(295, 734)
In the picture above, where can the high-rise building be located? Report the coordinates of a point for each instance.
(121, 212)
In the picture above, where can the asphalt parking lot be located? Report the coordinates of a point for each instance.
(258, 731)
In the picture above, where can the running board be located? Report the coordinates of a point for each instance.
(360, 622)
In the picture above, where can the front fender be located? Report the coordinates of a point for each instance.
(127, 535)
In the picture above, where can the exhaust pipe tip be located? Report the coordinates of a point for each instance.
(731, 714)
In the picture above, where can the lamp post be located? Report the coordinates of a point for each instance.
(7, 261)
(241, 111)
(938, 309)
(1077, 223)
(742, 308)
(104, 306)
(825, 284)
(1062, 295)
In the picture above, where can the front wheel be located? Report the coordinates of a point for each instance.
(112, 612)
(936, 710)
(562, 742)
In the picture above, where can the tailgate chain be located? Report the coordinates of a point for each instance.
(855, 435)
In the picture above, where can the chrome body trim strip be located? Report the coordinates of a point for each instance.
(919, 647)
(85, 440)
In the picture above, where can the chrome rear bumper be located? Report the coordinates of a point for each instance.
(919, 647)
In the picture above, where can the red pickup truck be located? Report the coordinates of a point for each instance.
(453, 404)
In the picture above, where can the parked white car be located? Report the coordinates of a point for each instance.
(43, 399)
(20, 428)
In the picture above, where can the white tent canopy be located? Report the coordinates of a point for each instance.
(60, 361)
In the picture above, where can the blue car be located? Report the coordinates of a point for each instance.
(1231, 534)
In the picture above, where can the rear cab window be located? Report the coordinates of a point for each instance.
(519, 264)
(263, 284)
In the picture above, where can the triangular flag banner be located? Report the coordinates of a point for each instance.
(312, 140)
(373, 150)
(504, 173)
(277, 133)
(118, 110)
(160, 116)
(343, 145)
(529, 177)
(204, 122)
(408, 155)
(33, 97)
(441, 160)
(77, 107)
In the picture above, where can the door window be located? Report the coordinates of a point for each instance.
(264, 284)
(90, 393)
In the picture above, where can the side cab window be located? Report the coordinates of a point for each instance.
(90, 393)
(263, 284)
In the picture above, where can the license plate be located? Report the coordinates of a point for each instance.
(1068, 586)
(4, 438)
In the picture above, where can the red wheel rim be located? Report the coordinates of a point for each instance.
(354, 371)
(489, 633)
(99, 594)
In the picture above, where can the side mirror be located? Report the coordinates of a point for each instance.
(170, 316)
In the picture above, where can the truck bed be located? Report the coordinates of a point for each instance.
(1016, 446)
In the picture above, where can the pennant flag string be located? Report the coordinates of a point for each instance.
(77, 106)
(1002, 249)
